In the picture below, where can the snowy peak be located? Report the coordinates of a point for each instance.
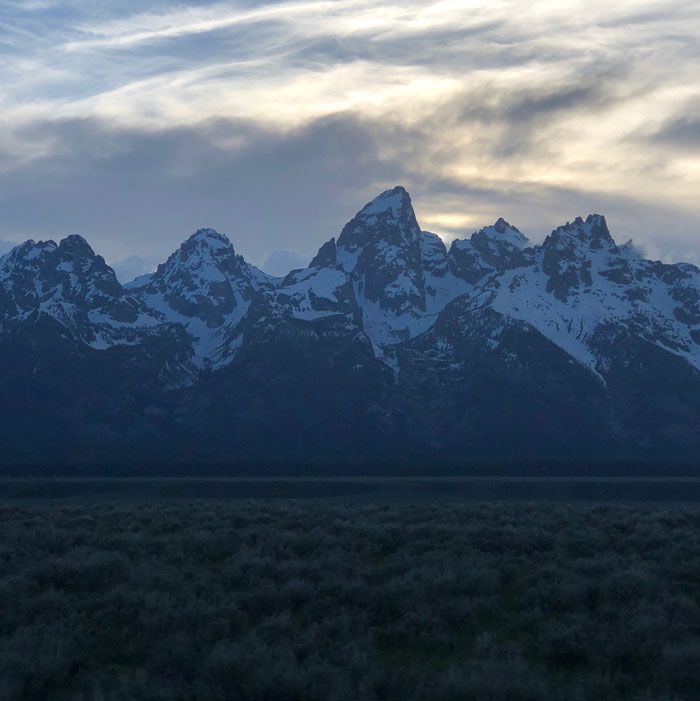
(504, 233)
(380, 249)
(27, 254)
(592, 233)
(492, 249)
(204, 278)
(73, 286)
(209, 238)
(393, 204)
(206, 256)
(573, 250)
(38, 274)
(207, 288)
(386, 229)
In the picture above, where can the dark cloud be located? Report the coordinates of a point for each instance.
(536, 104)
(135, 191)
(682, 132)
(520, 120)
(140, 192)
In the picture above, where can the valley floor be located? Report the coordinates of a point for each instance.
(332, 599)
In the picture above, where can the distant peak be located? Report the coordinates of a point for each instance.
(32, 245)
(590, 233)
(76, 245)
(501, 225)
(594, 229)
(590, 221)
(210, 237)
(204, 242)
(392, 201)
(506, 233)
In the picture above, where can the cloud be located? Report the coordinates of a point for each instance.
(141, 192)
(682, 131)
(280, 262)
(135, 192)
(274, 120)
(132, 267)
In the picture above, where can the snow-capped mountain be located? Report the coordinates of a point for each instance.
(207, 288)
(68, 283)
(388, 345)
(579, 285)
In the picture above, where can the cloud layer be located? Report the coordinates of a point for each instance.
(275, 121)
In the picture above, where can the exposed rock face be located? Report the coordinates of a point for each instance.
(389, 346)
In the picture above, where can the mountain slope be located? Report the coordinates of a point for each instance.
(207, 288)
(389, 348)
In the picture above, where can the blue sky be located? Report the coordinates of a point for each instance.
(136, 123)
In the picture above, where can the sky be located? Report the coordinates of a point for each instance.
(134, 124)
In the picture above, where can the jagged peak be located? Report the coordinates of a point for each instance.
(204, 247)
(77, 246)
(588, 225)
(387, 223)
(29, 249)
(210, 238)
(499, 232)
(206, 257)
(504, 232)
(593, 231)
(393, 202)
(501, 225)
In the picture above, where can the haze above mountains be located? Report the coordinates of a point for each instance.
(387, 348)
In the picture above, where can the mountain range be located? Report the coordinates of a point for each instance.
(389, 348)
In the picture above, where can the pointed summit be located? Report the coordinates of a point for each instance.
(205, 286)
(592, 232)
(382, 246)
(392, 202)
(498, 247)
(568, 254)
(72, 285)
(503, 232)
(204, 258)
(385, 228)
(209, 238)
(75, 245)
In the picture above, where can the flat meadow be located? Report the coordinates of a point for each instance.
(309, 600)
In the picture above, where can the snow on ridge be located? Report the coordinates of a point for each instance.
(504, 232)
(207, 289)
(392, 201)
(642, 302)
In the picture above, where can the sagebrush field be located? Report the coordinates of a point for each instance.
(306, 601)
